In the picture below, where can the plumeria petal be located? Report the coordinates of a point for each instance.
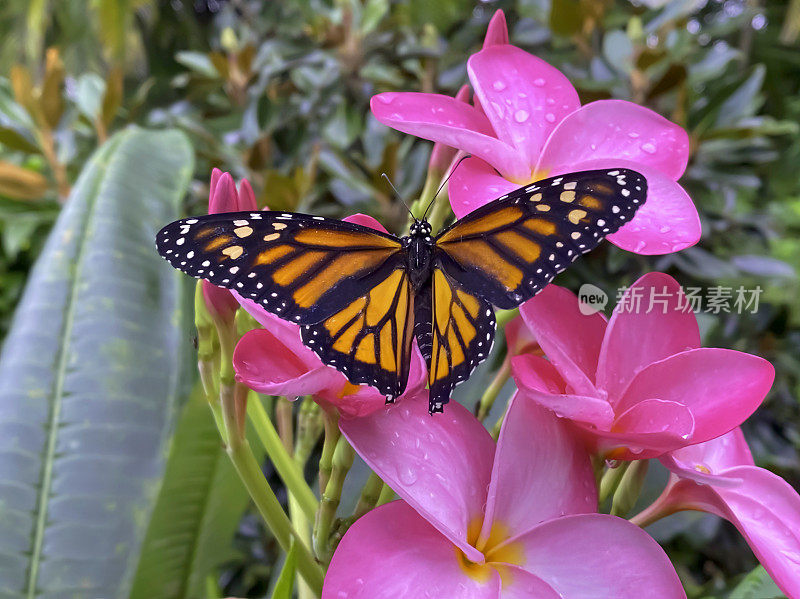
(537, 477)
(652, 317)
(449, 121)
(393, 552)
(440, 465)
(617, 129)
(648, 429)
(247, 197)
(497, 31)
(442, 155)
(763, 507)
(599, 556)
(365, 220)
(268, 366)
(524, 98)
(538, 380)
(475, 183)
(721, 387)
(570, 339)
(521, 584)
(715, 456)
(667, 222)
(224, 197)
(220, 302)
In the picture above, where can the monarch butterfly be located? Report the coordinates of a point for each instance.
(361, 296)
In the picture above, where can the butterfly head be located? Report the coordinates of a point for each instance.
(420, 228)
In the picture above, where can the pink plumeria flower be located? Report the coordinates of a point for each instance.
(638, 385)
(223, 197)
(720, 477)
(529, 125)
(479, 521)
(274, 360)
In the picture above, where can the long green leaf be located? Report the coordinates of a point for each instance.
(90, 377)
(198, 511)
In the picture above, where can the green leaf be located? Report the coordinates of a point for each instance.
(285, 585)
(757, 585)
(90, 375)
(197, 513)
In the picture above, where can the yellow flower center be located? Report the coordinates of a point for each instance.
(702, 468)
(536, 175)
(496, 551)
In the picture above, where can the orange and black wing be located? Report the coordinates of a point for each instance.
(370, 339)
(504, 253)
(302, 268)
(346, 285)
(509, 249)
(455, 331)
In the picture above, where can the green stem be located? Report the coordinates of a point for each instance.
(498, 425)
(332, 435)
(369, 495)
(287, 469)
(264, 499)
(660, 508)
(610, 481)
(503, 317)
(387, 495)
(308, 431)
(630, 487)
(494, 388)
(342, 462)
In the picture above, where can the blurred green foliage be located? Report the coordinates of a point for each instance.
(278, 92)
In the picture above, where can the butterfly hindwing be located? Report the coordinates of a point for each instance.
(302, 268)
(370, 339)
(455, 335)
(509, 249)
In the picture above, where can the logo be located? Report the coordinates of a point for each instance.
(591, 299)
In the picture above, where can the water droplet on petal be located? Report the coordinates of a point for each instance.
(550, 101)
(385, 99)
(499, 85)
(521, 116)
(406, 474)
(633, 134)
(550, 117)
(649, 148)
(539, 82)
(665, 229)
(593, 147)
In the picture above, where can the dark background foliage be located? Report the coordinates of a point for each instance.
(278, 92)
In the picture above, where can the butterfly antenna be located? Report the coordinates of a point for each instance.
(441, 187)
(397, 193)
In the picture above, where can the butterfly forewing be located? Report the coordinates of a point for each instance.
(300, 267)
(509, 249)
(506, 252)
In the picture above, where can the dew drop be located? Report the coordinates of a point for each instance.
(385, 99)
(539, 82)
(499, 85)
(665, 229)
(649, 148)
(406, 474)
(550, 117)
(633, 134)
(521, 116)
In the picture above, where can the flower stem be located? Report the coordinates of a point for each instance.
(610, 481)
(660, 508)
(332, 435)
(343, 457)
(503, 317)
(387, 495)
(629, 488)
(264, 499)
(287, 468)
(370, 495)
(494, 388)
